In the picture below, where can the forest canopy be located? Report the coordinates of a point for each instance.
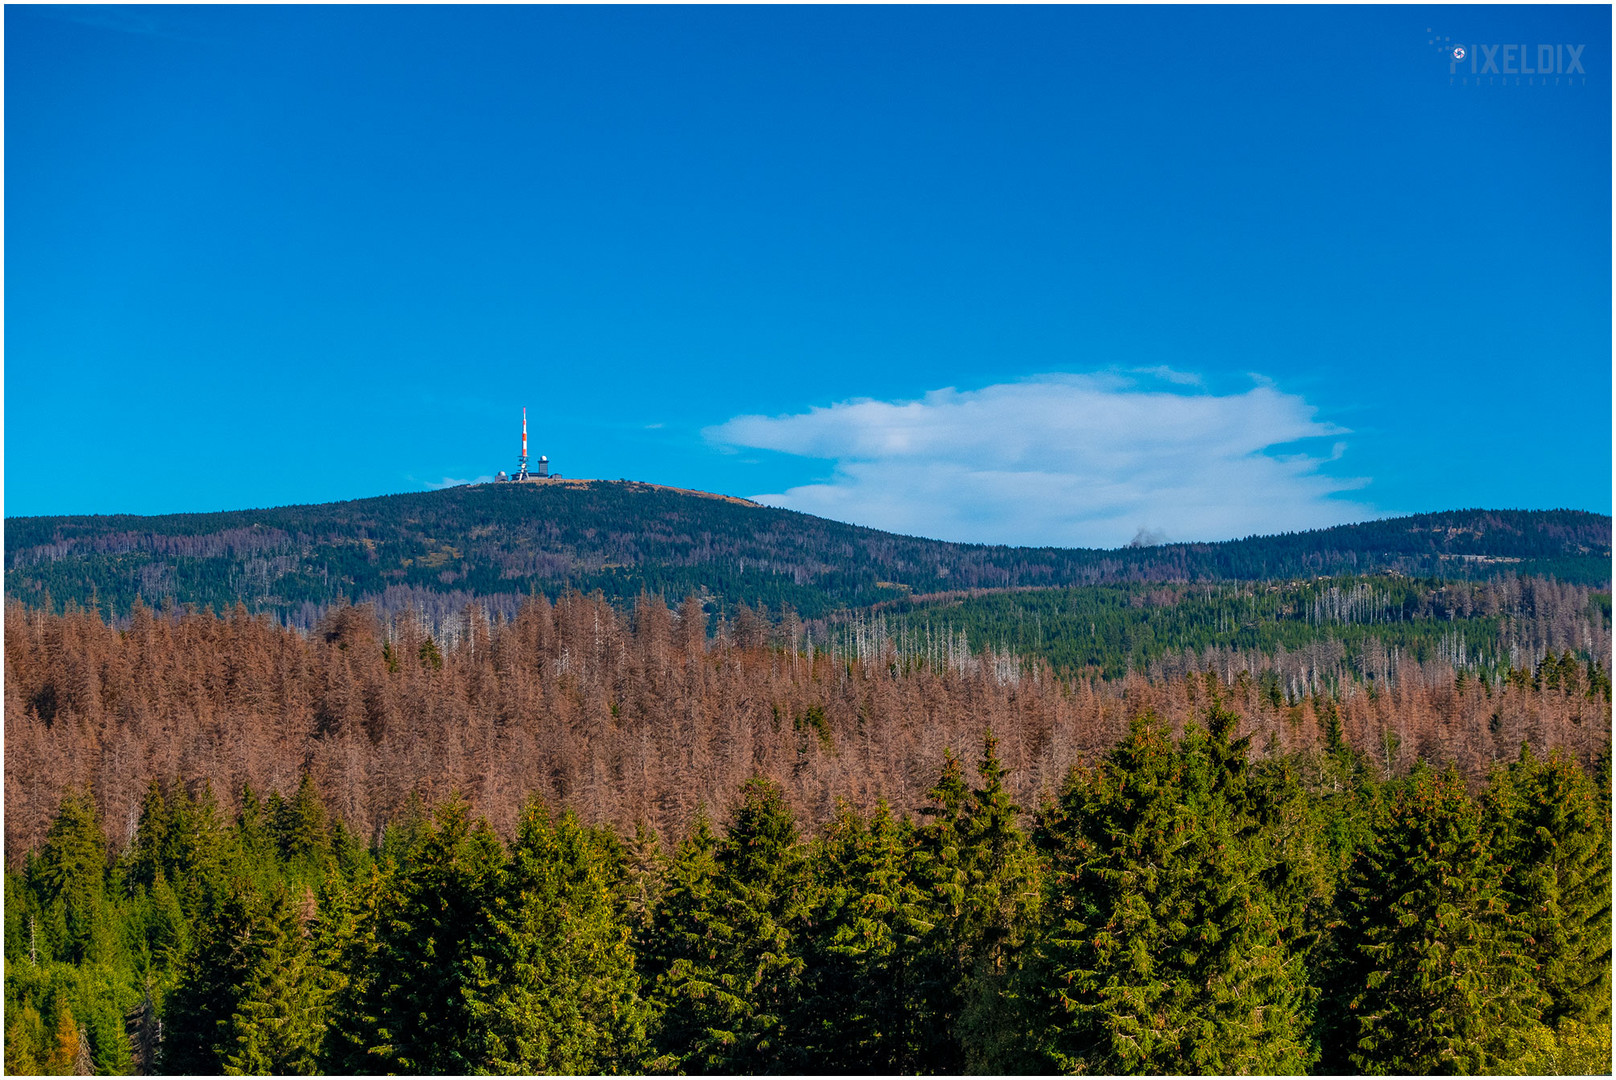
(1176, 907)
(498, 543)
(856, 803)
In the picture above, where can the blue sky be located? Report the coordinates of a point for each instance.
(1042, 275)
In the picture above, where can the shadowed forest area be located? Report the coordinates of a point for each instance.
(583, 840)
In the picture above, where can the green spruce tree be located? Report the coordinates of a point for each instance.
(255, 832)
(1550, 828)
(144, 860)
(415, 1001)
(727, 962)
(857, 1011)
(199, 1013)
(556, 985)
(279, 1017)
(1440, 980)
(302, 830)
(194, 849)
(980, 877)
(1161, 950)
(69, 882)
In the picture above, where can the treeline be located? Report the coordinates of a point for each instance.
(498, 543)
(1349, 627)
(1178, 907)
(645, 716)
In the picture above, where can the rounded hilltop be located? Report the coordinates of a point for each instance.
(545, 476)
(556, 481)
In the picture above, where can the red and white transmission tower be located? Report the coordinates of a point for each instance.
(521, 470)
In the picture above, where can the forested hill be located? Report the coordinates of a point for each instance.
(501, 542)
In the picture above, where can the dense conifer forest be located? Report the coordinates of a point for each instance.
(498, 543)
(1316, 630)
(587, 839)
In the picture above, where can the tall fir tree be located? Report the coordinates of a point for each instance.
(255, 831)
(559, 993)
(1160, 949)
(279, 1017)
(26, 1042)
(639, 884)
(980, 877)
(199, 1013)
(194, 848)
(856, 1011)
(680, 948)
(144, 859)
(1440, 980)
(942, 960)
(419, 1005)
(346, 943)
(728, 963)
(69, 881)
(302, 829)
(1551, 829)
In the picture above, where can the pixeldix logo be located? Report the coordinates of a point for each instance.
(1511, 63)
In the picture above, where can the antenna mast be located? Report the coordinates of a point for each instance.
(521, 472)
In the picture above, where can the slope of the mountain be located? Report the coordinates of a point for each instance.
(502, 541)
(1350, 623)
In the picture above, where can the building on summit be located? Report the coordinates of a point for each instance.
(522, 474)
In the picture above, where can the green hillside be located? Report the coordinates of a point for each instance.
(1342, 626)
(501, 542)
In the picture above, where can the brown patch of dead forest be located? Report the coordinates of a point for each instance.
(625, 717)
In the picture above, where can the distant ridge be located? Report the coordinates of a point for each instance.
(499, 542)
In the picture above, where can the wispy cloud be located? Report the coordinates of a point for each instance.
(121, 18)
(449, 482)
(1089, 460)
(1172, 375)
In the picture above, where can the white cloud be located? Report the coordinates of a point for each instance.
(449, 482)
(1071, 460)
(1172, 375)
